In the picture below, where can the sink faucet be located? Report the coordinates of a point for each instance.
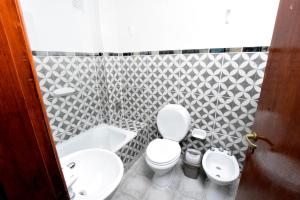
(70, 178)
(71, 165)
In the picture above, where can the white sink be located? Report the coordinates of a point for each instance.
(220, 167)
(98, 173)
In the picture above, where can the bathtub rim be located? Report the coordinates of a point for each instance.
(129, 136)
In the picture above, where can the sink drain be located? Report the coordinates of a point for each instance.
(218, 168)
(83, 193)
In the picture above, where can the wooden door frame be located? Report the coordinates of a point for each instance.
(29, 164)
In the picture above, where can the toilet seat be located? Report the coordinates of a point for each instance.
(162, 152)
(162, 164)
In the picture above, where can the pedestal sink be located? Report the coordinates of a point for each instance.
(98, 173)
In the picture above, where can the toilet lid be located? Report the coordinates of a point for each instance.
(173, 122)
(163, 151)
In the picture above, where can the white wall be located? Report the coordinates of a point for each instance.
(141, 25)
(144, 25)
(55, 25)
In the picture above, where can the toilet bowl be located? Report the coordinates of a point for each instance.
(173, 122)
(162, 155)
(220, 166)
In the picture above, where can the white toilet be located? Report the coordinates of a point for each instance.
(173, 122)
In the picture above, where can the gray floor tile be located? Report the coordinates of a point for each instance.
(192, 188)
(218, 192)
(123, 196)
(155, 193)
(137, 185)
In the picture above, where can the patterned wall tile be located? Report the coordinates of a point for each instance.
(202, 109)
(163, 72)
(113, 71)
(100, 70)
(88, 73)
(152, 130)
(56, 72)
(136, 146)
(92, 108)
(135, 104)
(66, 72)
(261, 66)
(234, 116)
(158, 99)
(134, 70)
(69, 115)
(220, 90)
(200, 73)
(240, 74)
(45, 75)
(65, 113)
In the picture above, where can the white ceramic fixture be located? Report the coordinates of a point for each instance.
(70, 179)
(66, 91)
(98, 173)
(173, 122)
(199, 134)
(103, 136)
(220, 166)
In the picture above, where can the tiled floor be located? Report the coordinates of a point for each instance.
(137, 185)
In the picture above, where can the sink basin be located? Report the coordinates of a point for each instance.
(220, 167)
(98, 173)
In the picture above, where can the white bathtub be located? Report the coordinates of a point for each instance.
(103, 136)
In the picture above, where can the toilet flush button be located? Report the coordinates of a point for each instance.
(199, 134)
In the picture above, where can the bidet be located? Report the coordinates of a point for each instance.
(220, 166)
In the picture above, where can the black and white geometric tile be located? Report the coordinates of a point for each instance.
(134, 70)
(158, 99)
(113, 71)
(163, 72)
(234, 116)
(220, 91)
(56, 72)
(135, 147)
(70, 115)
(241, 74)
(135, 104)
(65, 113)
(202, 109)
(200, 73)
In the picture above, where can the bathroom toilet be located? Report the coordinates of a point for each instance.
(173, 122)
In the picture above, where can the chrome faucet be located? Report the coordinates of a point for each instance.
(71, 165)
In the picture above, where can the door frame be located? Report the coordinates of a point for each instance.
(29, 164)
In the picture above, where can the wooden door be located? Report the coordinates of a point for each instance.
(273, 171)
(29, 168)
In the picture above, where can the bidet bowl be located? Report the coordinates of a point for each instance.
(220, 167)
(98, 172)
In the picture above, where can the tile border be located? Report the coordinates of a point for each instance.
(159, 52)
(64, 53)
